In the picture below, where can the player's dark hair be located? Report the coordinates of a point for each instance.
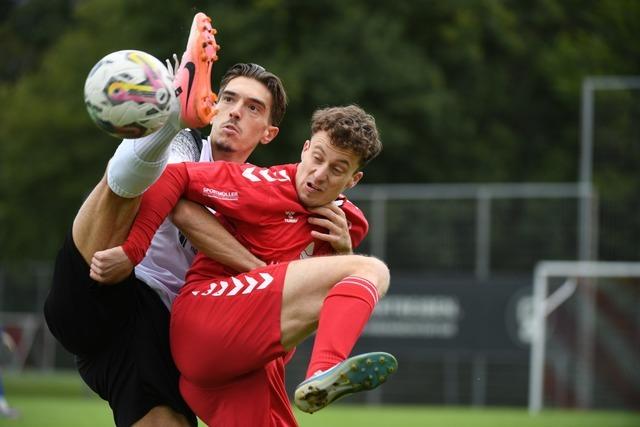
(270, 80)
(349, 128)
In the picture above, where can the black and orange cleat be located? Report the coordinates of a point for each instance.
(193, 77)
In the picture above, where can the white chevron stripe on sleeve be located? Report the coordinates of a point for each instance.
(248, 173)
(265, 174)
(284, 175)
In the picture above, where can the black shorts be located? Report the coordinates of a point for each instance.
(119, 335)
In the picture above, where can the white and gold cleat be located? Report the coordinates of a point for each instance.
(358, 373)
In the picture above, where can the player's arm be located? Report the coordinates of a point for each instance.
(115, 264)
(110, 266)
(206, 233)
(157, 202)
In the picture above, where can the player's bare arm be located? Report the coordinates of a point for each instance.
(200, 227)
(206, 233)
(334, 220)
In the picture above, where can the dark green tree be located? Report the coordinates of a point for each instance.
(478, 91)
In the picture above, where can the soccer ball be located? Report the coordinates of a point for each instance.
(129, 94)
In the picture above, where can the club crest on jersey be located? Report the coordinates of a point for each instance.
(290, 217)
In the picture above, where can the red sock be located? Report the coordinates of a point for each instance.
(343, 316)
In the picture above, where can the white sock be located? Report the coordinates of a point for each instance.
(137, 163)
(152, 148)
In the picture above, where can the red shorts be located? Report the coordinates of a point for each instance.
(258, 399)
(225, 340)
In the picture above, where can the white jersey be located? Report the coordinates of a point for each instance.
(170, 254)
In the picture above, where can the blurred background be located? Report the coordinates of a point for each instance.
(511, 134)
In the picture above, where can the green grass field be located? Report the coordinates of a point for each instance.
(61, 400)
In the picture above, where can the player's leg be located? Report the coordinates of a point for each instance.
(310, 283)
(83, 315)
(106, 216)
(134, 371)
(245, 310)
(244, 401)
(239, 317)
(104, 219)
(336, 294)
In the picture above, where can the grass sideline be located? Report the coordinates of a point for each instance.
(62, 400)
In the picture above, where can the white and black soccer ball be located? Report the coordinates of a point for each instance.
(129, 94)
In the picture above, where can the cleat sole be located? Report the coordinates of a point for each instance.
(351, 376)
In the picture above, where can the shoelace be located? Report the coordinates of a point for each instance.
(173, 70)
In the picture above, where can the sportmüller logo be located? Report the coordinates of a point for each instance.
(217, 194)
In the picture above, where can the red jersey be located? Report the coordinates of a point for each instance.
(260, 204)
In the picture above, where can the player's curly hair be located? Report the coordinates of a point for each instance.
(350, 128)
(270, 80)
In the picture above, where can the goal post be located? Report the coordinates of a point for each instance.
(544, 304)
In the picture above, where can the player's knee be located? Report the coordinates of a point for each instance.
(383, 276)
(376, 271)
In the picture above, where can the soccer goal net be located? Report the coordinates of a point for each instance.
(585, 349)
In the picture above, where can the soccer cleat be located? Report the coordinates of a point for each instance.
(358, 373)
(193, 77)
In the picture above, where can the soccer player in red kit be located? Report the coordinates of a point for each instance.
(230, 332)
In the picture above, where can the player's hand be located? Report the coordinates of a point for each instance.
(110, 266)
(333, 219)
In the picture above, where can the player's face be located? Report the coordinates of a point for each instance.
(325, 171)
(242, 121)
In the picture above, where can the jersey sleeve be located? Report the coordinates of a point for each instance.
(157, 202)
(358, 225)
(185, 147)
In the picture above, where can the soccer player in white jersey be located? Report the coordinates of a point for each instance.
(119, 333)
(248, 87)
